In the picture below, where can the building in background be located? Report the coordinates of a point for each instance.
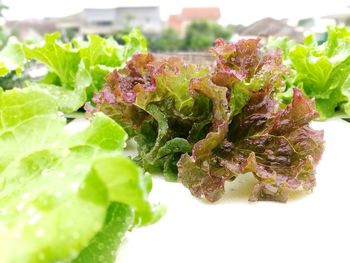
(103, 21)
(31, 29)
(317, 26)
(271, 27)
(180, 22)
(107, 21)
(340, 18)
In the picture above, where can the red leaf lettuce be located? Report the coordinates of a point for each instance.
(209, 126)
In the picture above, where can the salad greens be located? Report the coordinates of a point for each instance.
(322, 71)
(207, 126)
(64, 196)
(77, 69)
(11, 57)
(151, 100)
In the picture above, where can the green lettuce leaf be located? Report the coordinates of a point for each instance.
(68, 100)
(104, 245)
(67, 79)
(77, 69)
(135, 42)
(11, 57)
(64, 196)
(100, 56)
(322, 70)
(346, 92)
(62, 59)
(284, 44)
(101, 51)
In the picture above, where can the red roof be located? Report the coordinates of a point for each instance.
(210, 13)
(175, 22)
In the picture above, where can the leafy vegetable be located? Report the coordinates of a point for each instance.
(11, 57)
(64, 197)
(261, 138)
(61, 58)
(216, 125)
(278, 147)
(77, 68)
(283, 43)
(151, 100)
(322, 71)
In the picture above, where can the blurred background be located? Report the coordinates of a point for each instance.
(172, 26)
(185, 27)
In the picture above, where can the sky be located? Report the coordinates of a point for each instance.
(232, 11)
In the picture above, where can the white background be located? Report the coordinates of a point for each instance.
(311, 227)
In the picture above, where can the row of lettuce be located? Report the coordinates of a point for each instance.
(71, 196)
(78, 67)
(321, 71)
(206, 126)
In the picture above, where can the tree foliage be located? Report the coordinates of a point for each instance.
(201, 34)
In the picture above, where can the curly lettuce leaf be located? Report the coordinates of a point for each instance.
(277, 146)
(77, 69)
(203, 149)
(68, 79)
(206, 127)
(11, 57)
(62, 59)
(145, 80)
(99, 56)
(282, 43)
(135, 42)
(64, 196)
(235, 61)
(243, 116)
(100, 51)
(150, 98)
(102, 55)
(243, 67)
(322, 71)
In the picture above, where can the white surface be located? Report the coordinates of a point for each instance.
(311, 227)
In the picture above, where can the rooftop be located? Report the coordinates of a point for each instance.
(201, 13)
(271, 27)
